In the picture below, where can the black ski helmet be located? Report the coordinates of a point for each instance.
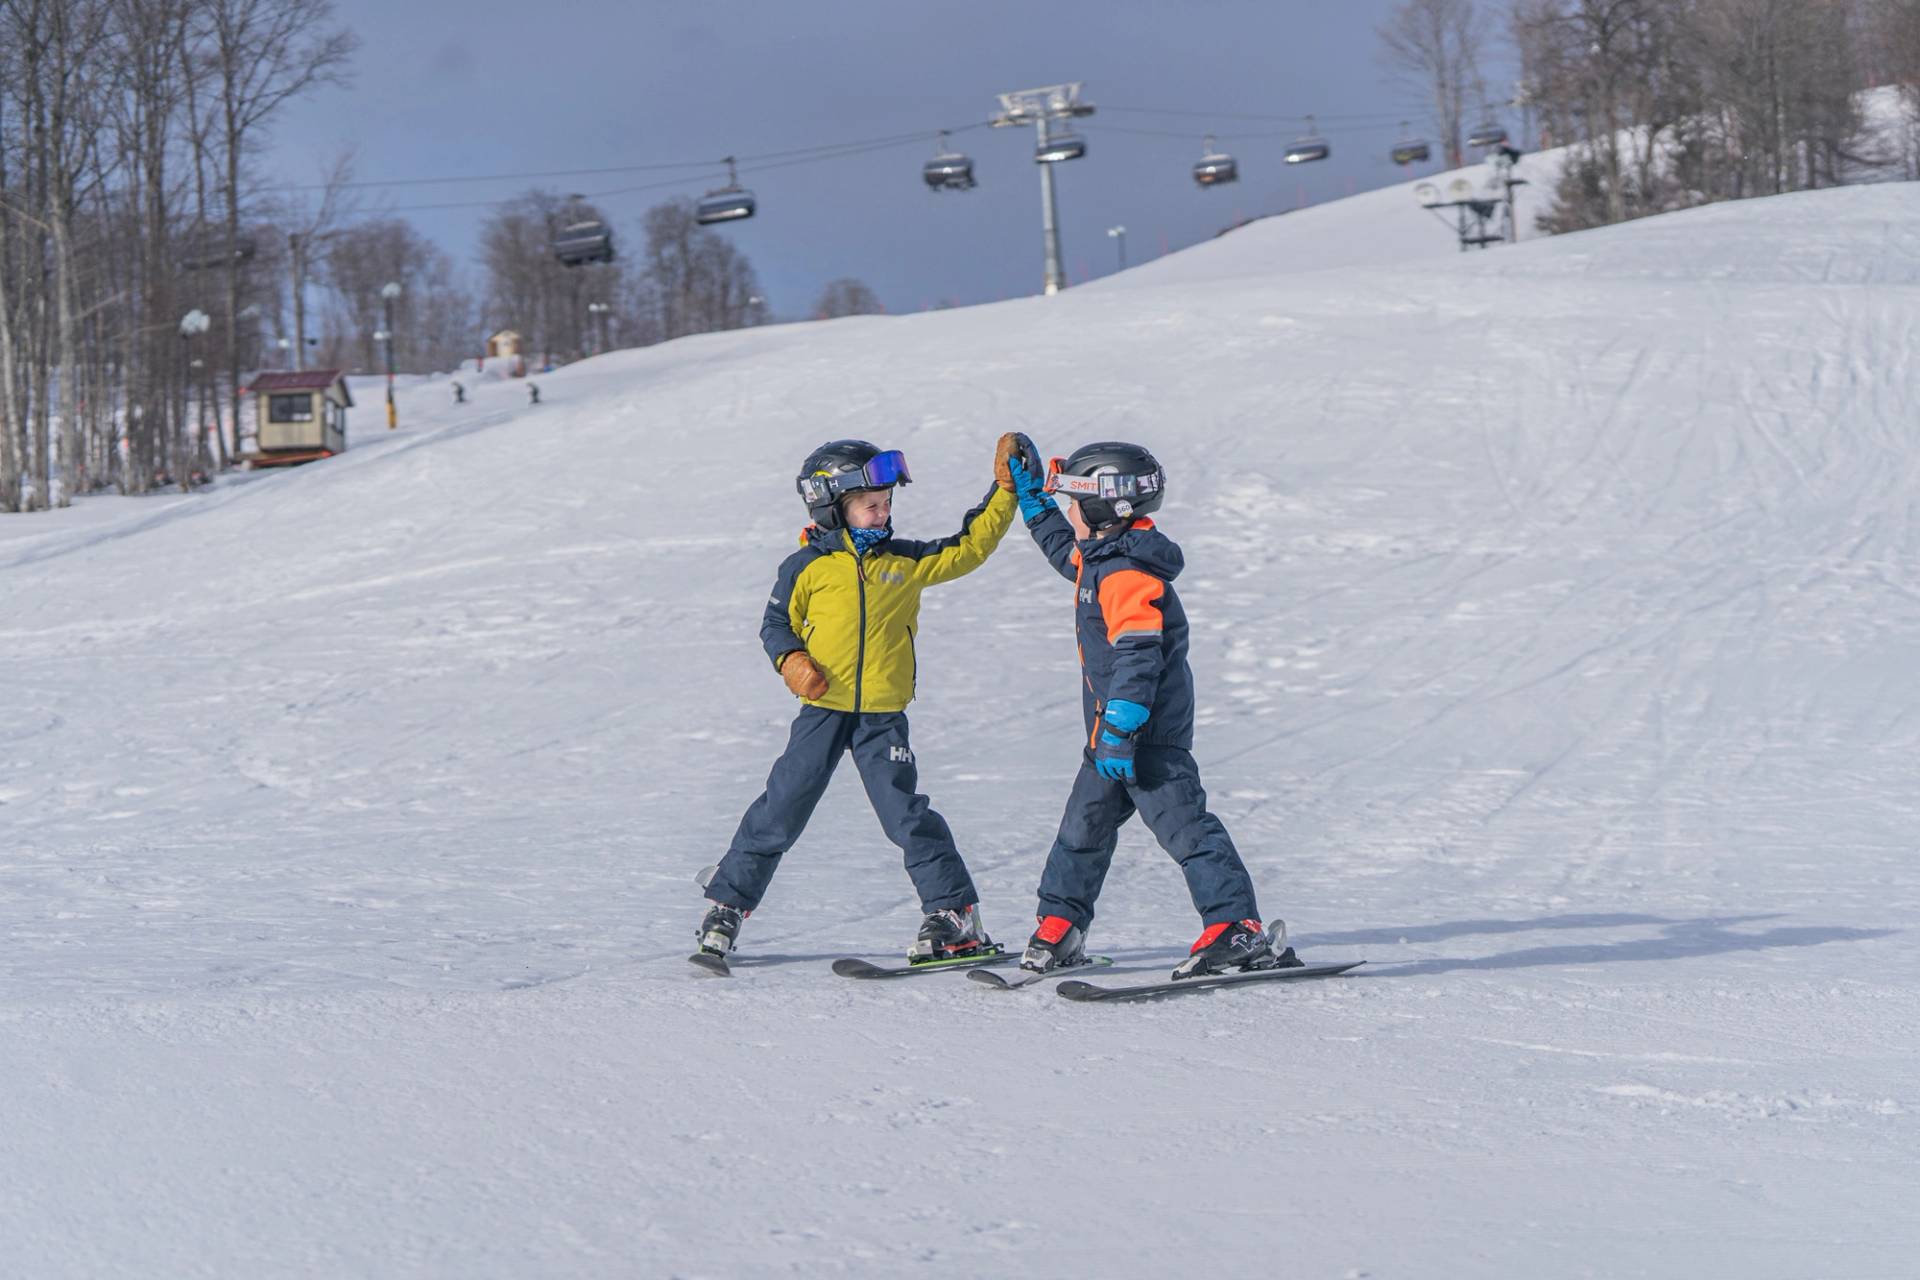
(841, 467)
(1117, 482)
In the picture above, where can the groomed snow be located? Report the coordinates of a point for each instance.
(1555, 620)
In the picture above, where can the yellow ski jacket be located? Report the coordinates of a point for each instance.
(856, 615)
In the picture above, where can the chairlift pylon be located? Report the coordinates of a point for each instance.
(1307, 149)
(725, 204)
(1215, 167)
(948, 170)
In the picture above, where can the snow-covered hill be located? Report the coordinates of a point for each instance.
(1555, 620)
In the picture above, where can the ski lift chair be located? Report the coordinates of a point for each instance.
(210, 250)
(1065, 146)
(1215, 167)
(1487, 134)
(1309, 148)
(1411, 151)
(948, 170)
(728, 204)
(584, 242)
(725, 204)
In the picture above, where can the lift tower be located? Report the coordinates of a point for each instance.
(1040, 108)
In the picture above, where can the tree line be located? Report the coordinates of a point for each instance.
(132, 196)
(1665, 104)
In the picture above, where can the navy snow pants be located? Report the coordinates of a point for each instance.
(799, 778)
(1171, 801)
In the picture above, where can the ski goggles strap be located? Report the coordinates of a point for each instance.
(1108, 484)
(881, 471)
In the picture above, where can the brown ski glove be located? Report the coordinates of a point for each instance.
(804, 680)
(1008, 446)
(1014, 445)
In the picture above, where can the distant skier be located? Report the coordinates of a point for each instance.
(1137, 700)
(533, 393)
(459, 393)
(840, 631)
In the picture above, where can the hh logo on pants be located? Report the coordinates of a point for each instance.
(900, 755)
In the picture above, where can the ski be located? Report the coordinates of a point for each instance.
(1026, 977)
(1087, 991)
(854, 967)
(711, 963)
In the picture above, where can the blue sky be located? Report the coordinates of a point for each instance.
(488, 87)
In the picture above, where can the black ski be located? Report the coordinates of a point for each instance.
(1026, 977)
(854, 967)
(1086, 991)
(713, 964)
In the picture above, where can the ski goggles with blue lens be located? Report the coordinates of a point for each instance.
(1106, 484)
(881, 471)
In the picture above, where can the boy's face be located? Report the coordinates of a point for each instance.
(1078, 521)
(868, 509)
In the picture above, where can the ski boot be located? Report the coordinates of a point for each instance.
(721, 929)
(949, 933)
(1056, 944)
(1237, 946)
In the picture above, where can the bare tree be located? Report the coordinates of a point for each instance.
(1607, 78)
(432, 317)
(1436, 47)
(695, 281)
(314, 218)
(1673, 102)
(527, 287)
(267, 52)
(846, 297)
(116, 118)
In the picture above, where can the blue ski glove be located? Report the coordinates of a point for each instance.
(1113, 755)
(1113, 745)
(1027, 487)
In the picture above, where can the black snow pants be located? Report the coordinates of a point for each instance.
(1171, 801)
(799, 778)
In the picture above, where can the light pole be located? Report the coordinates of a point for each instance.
(1120, 235)
(1040, 108)
(598, 310)
(388, 292)
(192, 325)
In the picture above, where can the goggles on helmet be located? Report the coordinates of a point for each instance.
(1107, 484)
(881, 471)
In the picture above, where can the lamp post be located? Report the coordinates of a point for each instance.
(192, 325)
(1120, 236)
(388, 292)
(598, 310)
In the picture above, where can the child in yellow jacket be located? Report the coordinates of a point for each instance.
(839, 628)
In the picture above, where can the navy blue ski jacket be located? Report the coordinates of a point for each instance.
(1132, 630)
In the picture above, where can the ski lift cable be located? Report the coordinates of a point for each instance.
(1187, 136)
(703, 180)
(1386, 117)
(897, 139)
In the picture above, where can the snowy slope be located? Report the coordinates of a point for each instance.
(1387, 227)
(1383, 227)
(1555, 617)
